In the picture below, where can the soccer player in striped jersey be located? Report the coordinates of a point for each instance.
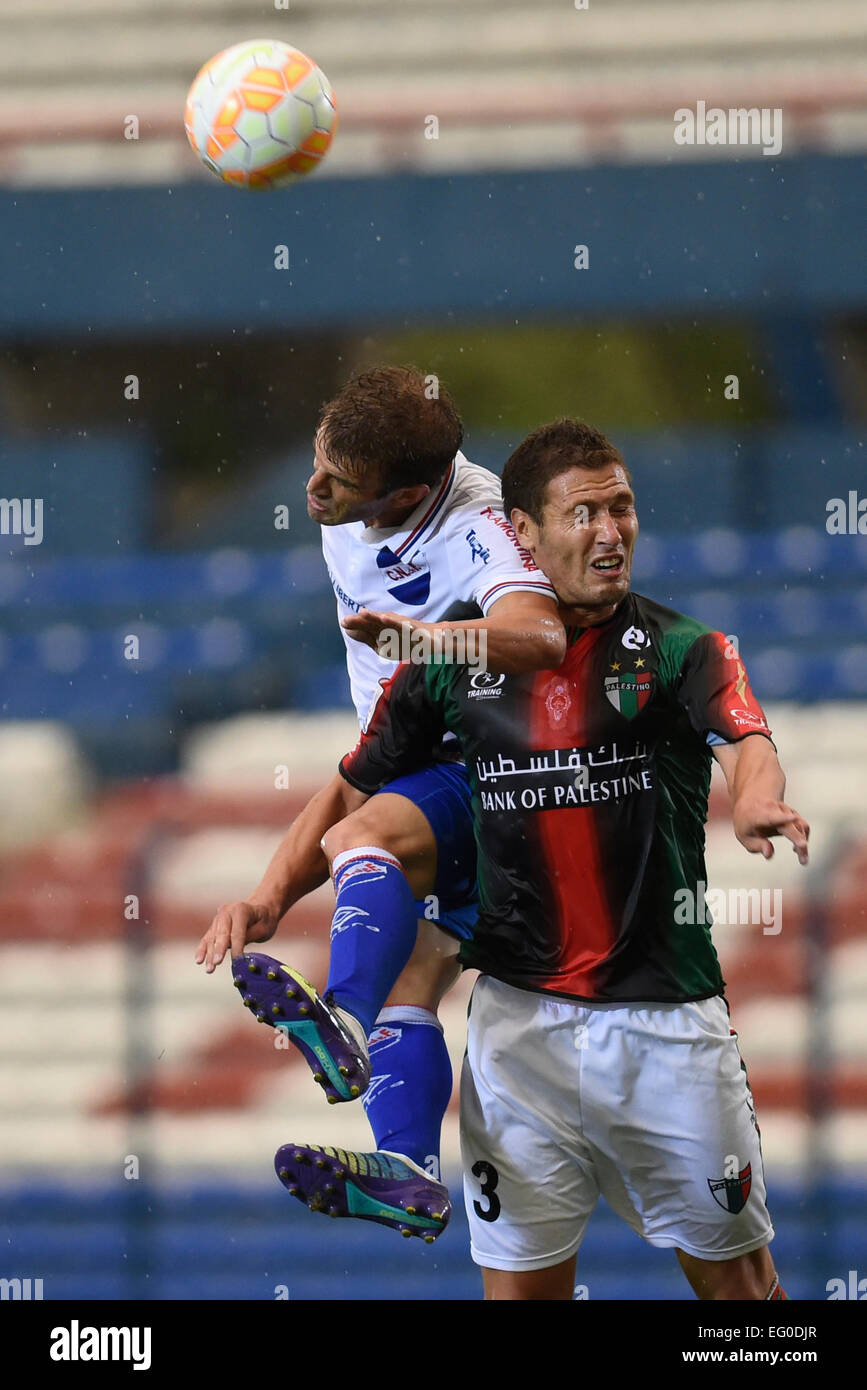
(600, 1056)
(409, 528)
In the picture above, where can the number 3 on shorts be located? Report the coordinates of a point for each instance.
(488, 1178)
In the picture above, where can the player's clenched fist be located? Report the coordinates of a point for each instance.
(234, 927)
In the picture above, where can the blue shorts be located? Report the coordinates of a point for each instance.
(442, 793)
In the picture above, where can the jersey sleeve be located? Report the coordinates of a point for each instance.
(403, 734)
(715, 692)
(488, 562)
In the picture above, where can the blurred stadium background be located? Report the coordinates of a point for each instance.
(140, 1107)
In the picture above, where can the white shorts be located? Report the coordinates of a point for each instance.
(645, 1104)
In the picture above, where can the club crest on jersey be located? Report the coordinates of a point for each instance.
(558, 701)
(408, 580)
(731, 1193)
(364, 871)
(383, 1037)
(629, 691)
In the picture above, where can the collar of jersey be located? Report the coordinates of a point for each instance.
(419, 522)
(578, 632)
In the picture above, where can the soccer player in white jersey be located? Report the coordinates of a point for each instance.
(409, 528)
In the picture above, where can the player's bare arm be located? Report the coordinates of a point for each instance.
(757, 785)
(523, 632)
(296, 868)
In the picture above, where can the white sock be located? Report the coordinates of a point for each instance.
(407, 1013)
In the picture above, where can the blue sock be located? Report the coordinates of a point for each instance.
(410, 1085)
(373, 930)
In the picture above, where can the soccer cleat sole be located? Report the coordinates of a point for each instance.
(283, 999)
(369, 1186)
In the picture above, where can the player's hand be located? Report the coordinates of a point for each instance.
(234, 927)
(756, 820)
(372, 628)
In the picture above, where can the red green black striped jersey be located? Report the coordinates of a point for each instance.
(590, 788)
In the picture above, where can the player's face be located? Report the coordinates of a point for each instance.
(587, 537)
(336, 495)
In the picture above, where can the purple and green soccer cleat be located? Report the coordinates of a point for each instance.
(380, 1187)
(283, 999)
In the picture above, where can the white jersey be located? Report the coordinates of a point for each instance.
(457, 546)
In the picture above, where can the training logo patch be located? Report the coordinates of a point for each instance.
(484, 685)
(731, 1193)
(746, 716)
(408, 580)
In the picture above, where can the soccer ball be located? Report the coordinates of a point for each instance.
(260, 114)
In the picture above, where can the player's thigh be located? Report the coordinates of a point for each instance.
(672, 1117)
(430, 972)
(529, 1182)
(556, 1283)
(747, 1276)
(391, 822)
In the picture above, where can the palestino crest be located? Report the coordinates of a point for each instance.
(732, 1193)
(628, 691)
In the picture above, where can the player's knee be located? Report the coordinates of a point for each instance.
(354, 832)
(747, 1278)
(737, 1290)
(748, 1286)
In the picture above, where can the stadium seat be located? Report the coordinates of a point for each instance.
(45, 780)
(246, 752)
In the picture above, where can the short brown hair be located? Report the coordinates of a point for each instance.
(396, 421)
(546, 453)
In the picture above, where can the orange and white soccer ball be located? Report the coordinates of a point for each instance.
(260, 114)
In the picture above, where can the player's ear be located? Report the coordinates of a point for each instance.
(410, 497)
(526, 530)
